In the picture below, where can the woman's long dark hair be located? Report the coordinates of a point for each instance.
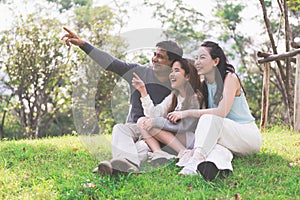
(223, 67)
(194, 86)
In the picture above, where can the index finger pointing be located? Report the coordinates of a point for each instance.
(68, 30)
(136, 76)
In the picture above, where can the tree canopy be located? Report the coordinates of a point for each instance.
(44, 72)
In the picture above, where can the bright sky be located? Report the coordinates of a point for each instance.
(140, 16)
(5, 17)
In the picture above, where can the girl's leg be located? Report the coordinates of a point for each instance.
(150, 141)
(169, 139)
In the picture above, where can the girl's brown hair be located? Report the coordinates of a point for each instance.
(194, 86)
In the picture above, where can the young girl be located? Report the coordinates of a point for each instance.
(227, 122)
(154, 127)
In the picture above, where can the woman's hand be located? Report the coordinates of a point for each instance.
(176, 116)
(138, 84)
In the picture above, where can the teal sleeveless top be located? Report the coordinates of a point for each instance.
(239, 111)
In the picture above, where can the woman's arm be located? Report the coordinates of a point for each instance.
(231, 89)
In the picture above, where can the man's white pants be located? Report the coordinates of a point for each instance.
(127, 143)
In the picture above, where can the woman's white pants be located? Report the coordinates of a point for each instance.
(217, 138)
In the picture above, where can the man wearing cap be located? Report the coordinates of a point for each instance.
(128, 148)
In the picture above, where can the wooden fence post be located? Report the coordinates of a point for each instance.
(297, 95)
(266, 84)
(265, 96)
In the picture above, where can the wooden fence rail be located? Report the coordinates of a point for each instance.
(266, 85)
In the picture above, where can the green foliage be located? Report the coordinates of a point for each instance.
(230, 15)
(4, 108)
(143, 60)
(68, 4)
(282, 74)
(120, 101)
(43, 71)
(294, 5)
(38, 72)
(97, 25)
(61, 125)
(12, 127)
(178, 21)
(252, 82)
(5, 1)
(61, 168)
(99, 20)
(237, 45)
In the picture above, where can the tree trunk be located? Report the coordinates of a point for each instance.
(283, 79)
(288, 67)
(265, 97)
(297, 96)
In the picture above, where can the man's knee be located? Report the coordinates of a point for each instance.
(127, 130)
(118, 127)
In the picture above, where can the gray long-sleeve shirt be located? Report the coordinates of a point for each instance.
(156, 89)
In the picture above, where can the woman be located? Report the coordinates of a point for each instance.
(226, 123)
(154, 127)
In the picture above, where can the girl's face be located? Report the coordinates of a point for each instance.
(204, 63)
(177, 77)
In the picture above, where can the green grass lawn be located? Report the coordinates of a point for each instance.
(60, 168)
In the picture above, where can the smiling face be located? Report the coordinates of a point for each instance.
(204, 63)
(178, 77)
(161, 62)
